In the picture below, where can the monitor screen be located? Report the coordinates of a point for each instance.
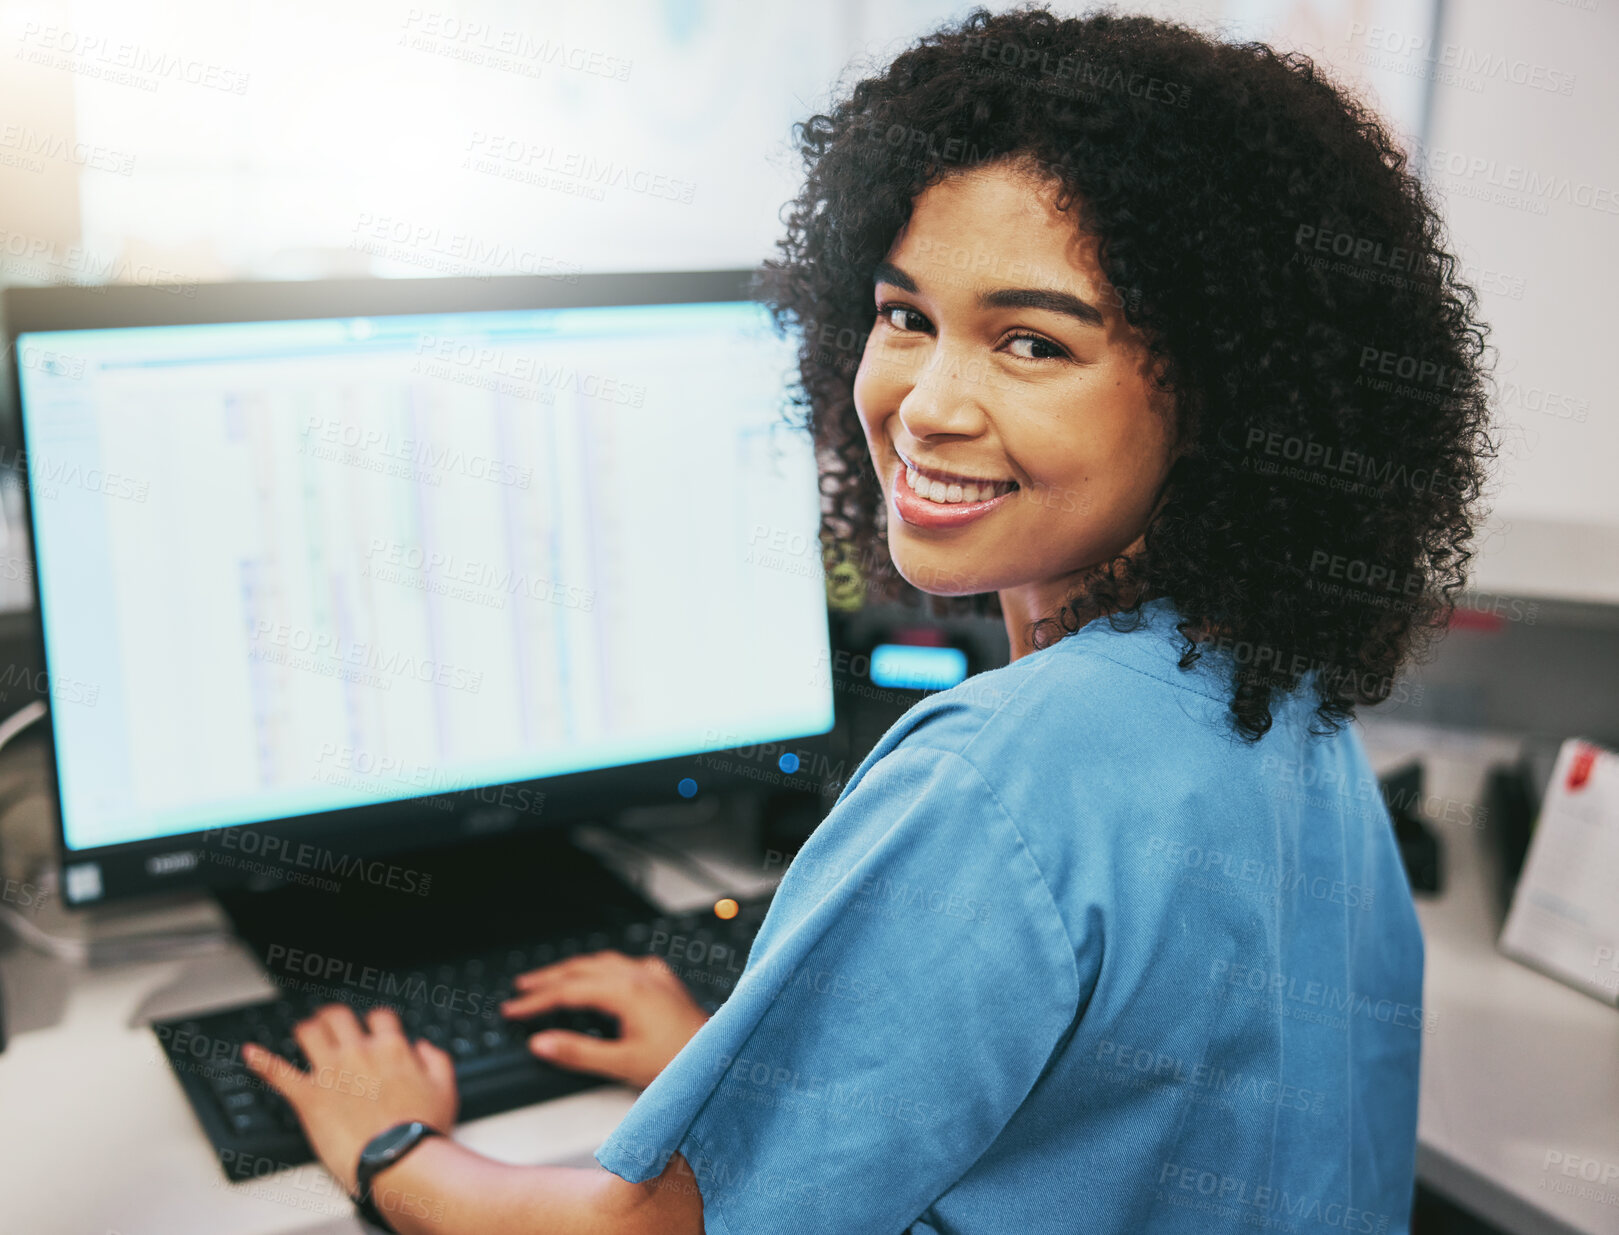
(306, 565)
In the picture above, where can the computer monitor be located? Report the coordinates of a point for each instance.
(359, 566)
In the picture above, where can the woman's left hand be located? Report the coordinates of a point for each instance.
(362, 1080)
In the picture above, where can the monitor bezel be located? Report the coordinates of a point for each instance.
(357, 838)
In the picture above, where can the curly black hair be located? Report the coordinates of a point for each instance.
(1289, 275)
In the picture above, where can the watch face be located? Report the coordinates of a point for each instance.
(385, 1144)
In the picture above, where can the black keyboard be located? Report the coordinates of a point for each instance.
(455, 1004)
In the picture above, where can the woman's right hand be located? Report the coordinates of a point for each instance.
(656, 1014)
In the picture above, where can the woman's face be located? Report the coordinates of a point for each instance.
(1009, 408)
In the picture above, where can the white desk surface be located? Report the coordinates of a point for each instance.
(1519, 1067)
(96, 1137)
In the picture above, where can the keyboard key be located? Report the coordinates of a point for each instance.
(228, 1082)
(255, 1119)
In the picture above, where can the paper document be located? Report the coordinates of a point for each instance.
(1565, 913)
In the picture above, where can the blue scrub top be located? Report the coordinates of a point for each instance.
(1069, 955)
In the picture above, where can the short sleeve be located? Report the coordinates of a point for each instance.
(909, 986)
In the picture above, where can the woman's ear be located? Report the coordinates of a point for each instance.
(1163, 402)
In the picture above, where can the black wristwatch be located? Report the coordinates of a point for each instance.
(381, 1152)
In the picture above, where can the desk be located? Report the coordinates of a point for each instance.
(1518, 1067)
(96, 1137)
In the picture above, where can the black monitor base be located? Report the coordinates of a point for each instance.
(427, 906)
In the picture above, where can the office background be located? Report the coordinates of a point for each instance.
(304, 141)
(193, 141)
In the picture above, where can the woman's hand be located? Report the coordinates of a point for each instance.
(656, 1015)
(362, 1080)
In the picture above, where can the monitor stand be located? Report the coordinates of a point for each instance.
(435, 905)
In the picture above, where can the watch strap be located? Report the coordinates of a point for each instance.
(367, 1206)
(370, 1165)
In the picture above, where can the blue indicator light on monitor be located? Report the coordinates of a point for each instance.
(788, 763)
(687, 788)
(905, 666)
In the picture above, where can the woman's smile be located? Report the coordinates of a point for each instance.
(925, 495)
(928, 498)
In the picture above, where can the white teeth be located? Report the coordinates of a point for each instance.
(949, 493)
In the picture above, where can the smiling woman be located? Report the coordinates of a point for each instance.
(1105, 390)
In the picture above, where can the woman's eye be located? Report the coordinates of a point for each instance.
(901, 317)
(1033, 347)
